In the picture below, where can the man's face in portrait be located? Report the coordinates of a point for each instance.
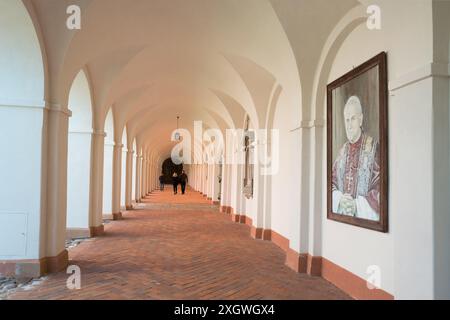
(353, 118)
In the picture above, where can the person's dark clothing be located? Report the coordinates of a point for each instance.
(183, 178)
(161, 183)
(183, 181)
(175, 181)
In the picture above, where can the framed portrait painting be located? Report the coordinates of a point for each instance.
(357, 135)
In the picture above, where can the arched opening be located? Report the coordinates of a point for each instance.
(108, 165)
(123, 181)
(79, 158)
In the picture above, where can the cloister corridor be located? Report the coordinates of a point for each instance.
(313, 137)
(180, 247)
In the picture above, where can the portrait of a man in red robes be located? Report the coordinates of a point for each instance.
(356, 170)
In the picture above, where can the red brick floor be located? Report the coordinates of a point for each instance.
(180, 247)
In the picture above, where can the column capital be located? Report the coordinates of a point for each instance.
(99, 133)
(57, 109)
(81, 132)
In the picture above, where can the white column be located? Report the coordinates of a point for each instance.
(211, 181)
(195, 181)
(123, 179)
(151, 175)
(116, 184)
(224, 186)
(143, 178)
(96, 190)
(134, 180)
(56, 186)
(129, 180)
(198, 184)
(138, 177)
(215, 185)
(204, 179)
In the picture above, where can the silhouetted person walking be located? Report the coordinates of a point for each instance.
(183, 181)
(175, 182)
(161, 183)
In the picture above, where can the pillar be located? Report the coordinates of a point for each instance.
(116, 185)
(96, 190)
(143, 177)
(215, 191)
(123, 179)
(138, 178)
(57, 125)
(129, 180)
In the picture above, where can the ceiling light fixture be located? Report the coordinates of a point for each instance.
(177, 134)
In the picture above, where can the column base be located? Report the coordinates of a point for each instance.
(58, 263)
(129, 207)
(297, 262)
(97, 231)
(76, 233)
(267, 235)
(34, 268)
(256, 233)
(314, 267)
(117, 216)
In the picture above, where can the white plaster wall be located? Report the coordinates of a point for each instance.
(20, 190)
(354, 248)
(22, 73)
(411, 191)
(403, 274)
(78, 181)
(285, 204)
(21, 134)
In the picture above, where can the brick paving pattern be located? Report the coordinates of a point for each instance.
(180, 247)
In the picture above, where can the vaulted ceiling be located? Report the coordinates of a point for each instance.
(208, 60)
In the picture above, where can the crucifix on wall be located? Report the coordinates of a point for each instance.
(249, 166)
